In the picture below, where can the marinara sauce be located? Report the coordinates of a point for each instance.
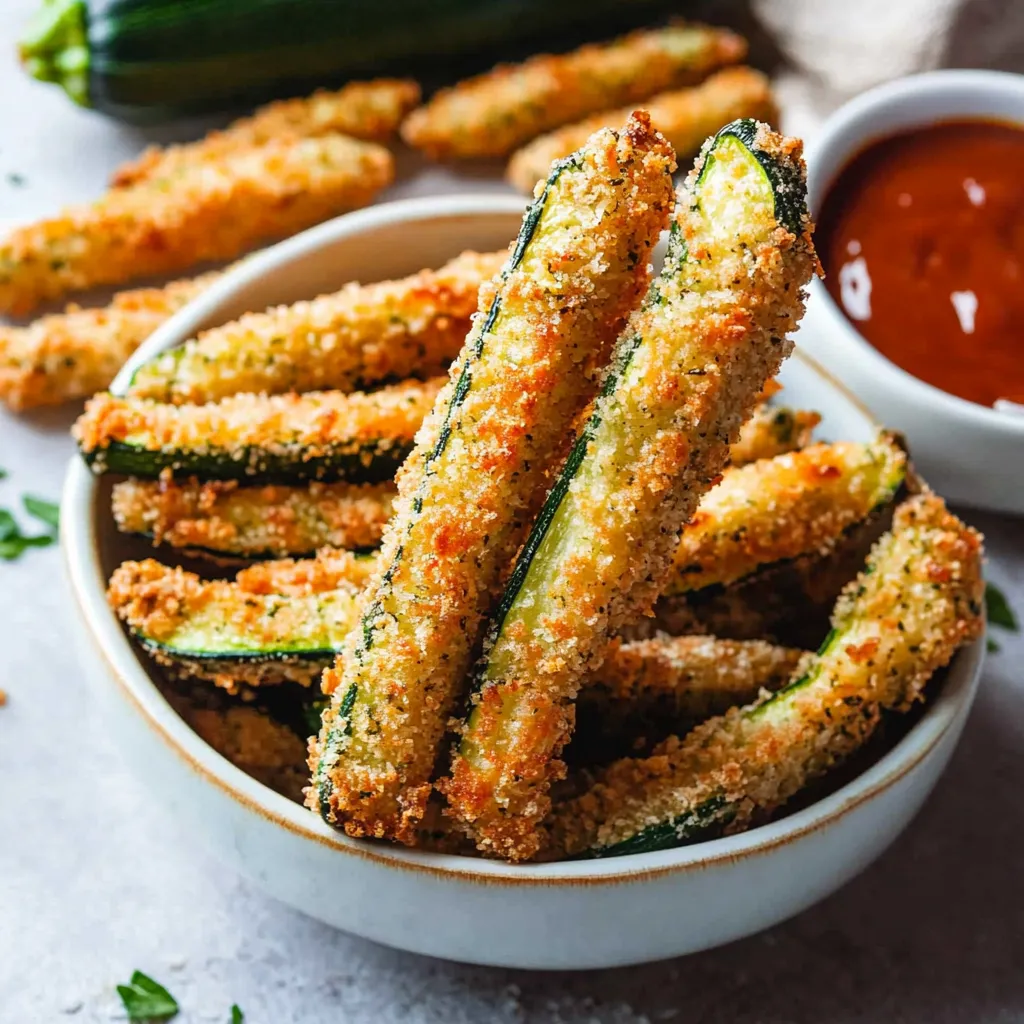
(922, 241)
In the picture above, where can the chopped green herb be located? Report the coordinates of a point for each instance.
(8, 525)
(3, 473)
(237, 1017)
(998, 608)
(146, 999)
(992, 647)
(13, 547)
(45, 511)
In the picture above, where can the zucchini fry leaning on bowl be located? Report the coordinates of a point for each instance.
(917, 601)
(349, 340)
(478, 474)
(685, 375)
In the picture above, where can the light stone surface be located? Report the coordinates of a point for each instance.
(95, 881)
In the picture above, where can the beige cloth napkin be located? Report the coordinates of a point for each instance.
(837, 48)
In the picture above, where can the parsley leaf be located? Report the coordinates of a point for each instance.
(12, 547)
(3, 473)
(237, 1017)
(146, 999)
(45, 511)
(998, 608)
(8, 526)
(992, 647)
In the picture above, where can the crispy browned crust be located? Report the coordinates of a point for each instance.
(349, 340)
(793, 505)
(771, 431)
(686, 117)
(463, 510)
(253, 522)
(74, 354)
(211, 212)
(315, 422)
(918, 602)
(669, 446)
(364, 110)
(491, 114)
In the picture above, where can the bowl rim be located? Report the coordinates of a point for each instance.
(123, 664)
(846, 132)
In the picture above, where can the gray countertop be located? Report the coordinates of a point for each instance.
(95, 881)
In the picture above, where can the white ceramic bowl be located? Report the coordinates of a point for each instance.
(969, 453)
(568, 915)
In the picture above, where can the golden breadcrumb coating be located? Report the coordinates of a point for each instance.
(301, 426)
(469, 490)
(214, 211)
(795, 504)
(491, 114)
(686, 117)
(903, 618)
(70, 355)
(188, 624)
(773, 430)
(349, 340)
(687, 373)
(274, 521)
(364, 110)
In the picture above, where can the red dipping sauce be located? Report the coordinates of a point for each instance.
(922, 241)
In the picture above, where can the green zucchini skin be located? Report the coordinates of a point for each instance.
(150, 60)
(370, 463)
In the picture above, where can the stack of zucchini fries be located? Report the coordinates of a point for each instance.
(507, 570)
(296, 162)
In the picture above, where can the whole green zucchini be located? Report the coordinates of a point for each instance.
(149, 60)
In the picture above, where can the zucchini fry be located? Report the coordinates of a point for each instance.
(210, 212)
(774, 509)
(364, 110)
(686, 117)
(286, 439)
(352, 339)
(686, 374)
(267, 626)
(220, 518)
(918, 600)
(647, 690)
(469, 491)
(491, 114)
(771, 431)
(74, 354)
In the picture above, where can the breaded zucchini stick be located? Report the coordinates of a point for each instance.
(903, 618)
(491, 114)
(259, 629)
(364, 110)
(350, 340)
(211, 212)
(686, 117)
(646, 690)
(773, 430)
(76, 353)
(227, 521)
(326, 435)
(795, 504)
(686, 374)
(469, 491)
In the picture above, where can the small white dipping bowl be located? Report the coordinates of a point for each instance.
(969, 453)
(582, 914)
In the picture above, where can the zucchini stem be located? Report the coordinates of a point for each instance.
(55, 48)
